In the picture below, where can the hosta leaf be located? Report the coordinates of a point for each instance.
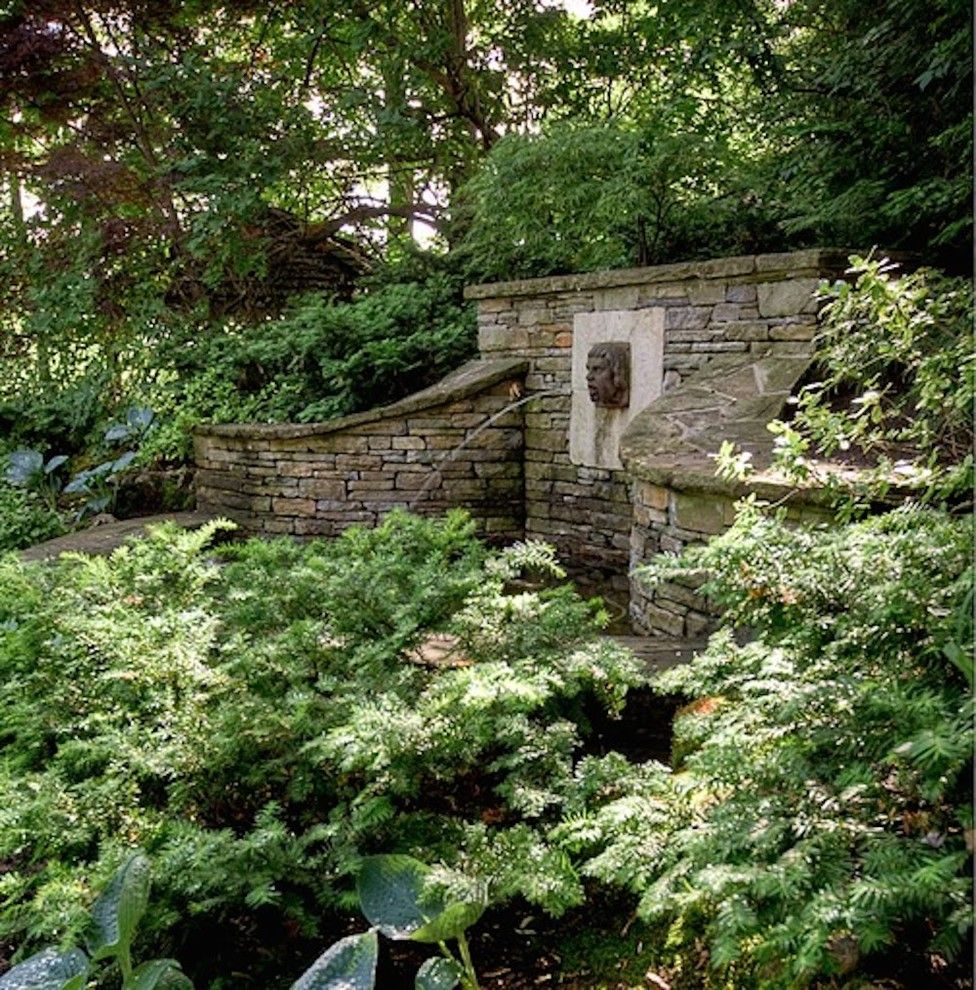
(350, 964)
(55, 462)
(117, 432)
(123, 461)
(160, 974)
(389, 889)
(438, 973)
(449, 923)
(23, 466)
(48, 970)
(140, 417)
(118, 909)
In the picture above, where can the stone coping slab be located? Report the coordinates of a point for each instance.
(466, 381)
(764, 267)
(673, 441)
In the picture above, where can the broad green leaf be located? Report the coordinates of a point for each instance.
(55, 462)
(48, 970)
(389, 889)
(438, 973)
(79, 483)
(140, 417)
(160, 974)
(449, 923)
(23, 466)
(117, 911)
(123, 461)
(350, 964)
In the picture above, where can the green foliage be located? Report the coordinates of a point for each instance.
(896, 389)
(587, 197)
(260, 726)
(114, 918)
(348, 963)
(26, 519)
(392, 896)
(821, 815)
(319, 360)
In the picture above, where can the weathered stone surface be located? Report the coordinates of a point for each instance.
(786, 298)
(702, 514)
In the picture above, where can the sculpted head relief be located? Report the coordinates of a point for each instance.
(608, 375)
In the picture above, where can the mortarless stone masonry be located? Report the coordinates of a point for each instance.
(451, 445)
(752, 306)
(515, 476)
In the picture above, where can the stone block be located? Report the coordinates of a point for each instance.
(278, 524)
(653, 496)
(545, 440)
(741, 294)
(746, 330)
(321, 488)
(532, 314)
(786, 298)
(622, 297)
(687, 318)
(663, 620)
(728, 267)
(719, 346)
(494, 305)
(408, 443)
(793, 331)
(501, 338)
(727, 312)
(698, 513)
(293, 506)
(706, 293)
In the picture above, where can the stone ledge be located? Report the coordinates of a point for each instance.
(468, 380)
(673, 442)
(768, 266)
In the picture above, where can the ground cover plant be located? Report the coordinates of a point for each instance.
(258, 726)
(818, 825)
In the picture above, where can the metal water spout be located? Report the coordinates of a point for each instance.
(452, 454)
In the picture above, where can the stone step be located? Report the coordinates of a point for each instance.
(661, 652)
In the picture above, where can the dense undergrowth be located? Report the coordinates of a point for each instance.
(260, 718)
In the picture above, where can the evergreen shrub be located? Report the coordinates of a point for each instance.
(818, 823)
(260, 722)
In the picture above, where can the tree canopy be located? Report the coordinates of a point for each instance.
(176, 171)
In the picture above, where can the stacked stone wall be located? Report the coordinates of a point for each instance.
(761, 305)
(494, 437)
(456, 445)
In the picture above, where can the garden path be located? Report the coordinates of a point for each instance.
(105, 538)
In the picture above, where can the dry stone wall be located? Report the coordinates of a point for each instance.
(751, 306)
(456, 444)
(494, 437)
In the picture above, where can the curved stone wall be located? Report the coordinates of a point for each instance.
(458, 443)
(724, 341)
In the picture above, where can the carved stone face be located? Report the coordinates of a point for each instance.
(608, 375)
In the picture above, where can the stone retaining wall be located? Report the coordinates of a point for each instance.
(494, 437)
(754, 305)
(458, 443)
